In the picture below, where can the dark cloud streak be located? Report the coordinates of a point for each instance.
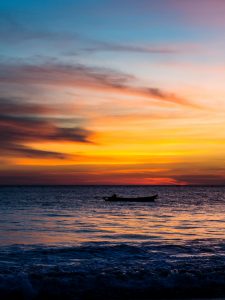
(201, 179)
(21, 123)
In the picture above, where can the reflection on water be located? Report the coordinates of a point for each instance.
(68, 243)
(71, 215)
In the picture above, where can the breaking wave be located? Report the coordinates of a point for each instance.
(113, 271)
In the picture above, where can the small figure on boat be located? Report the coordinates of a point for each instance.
(114, 196)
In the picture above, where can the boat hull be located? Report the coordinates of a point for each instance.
(129, 199)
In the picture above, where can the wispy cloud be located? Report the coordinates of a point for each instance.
(91, 45)
(82, 76)
(13, 31)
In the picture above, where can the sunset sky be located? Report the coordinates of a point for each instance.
(112, 92)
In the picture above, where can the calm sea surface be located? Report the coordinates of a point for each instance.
(67, 242)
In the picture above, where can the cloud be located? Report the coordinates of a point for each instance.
(101, 46)
(13, 31)
(81, 76)
(202, 179)
(22, 123)
(17, 106)
(24, 151)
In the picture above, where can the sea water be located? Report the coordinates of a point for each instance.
(66, 242)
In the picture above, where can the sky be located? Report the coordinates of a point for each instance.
(112, 92)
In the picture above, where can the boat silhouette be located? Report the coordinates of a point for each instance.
(115, 198)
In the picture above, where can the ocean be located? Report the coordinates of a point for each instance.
(66, 242)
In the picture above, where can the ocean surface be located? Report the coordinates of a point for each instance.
(66, 242)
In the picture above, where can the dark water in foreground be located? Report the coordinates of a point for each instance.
(67, 243)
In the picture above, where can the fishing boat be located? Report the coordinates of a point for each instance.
(115, 198)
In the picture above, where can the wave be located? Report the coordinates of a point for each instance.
(112, 271)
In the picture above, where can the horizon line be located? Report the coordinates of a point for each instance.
(155, 185)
